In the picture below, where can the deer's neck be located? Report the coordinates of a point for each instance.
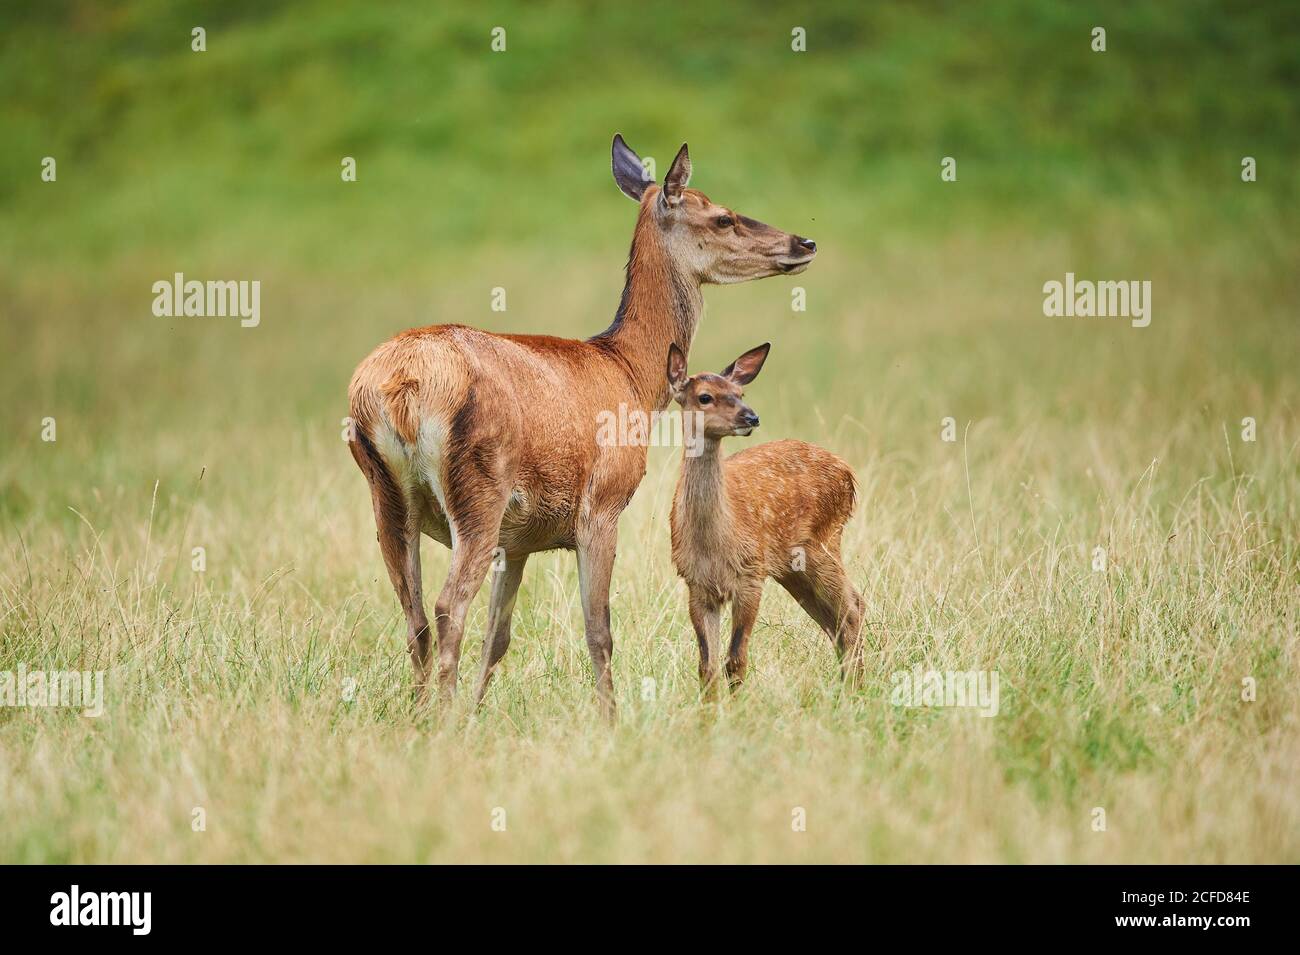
(702, 498)
(661, 305)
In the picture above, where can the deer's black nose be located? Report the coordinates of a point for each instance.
(749, 419)
(807, 244)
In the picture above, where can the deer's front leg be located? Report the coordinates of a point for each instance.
(705, 618)
(744, 611)
(596, 544)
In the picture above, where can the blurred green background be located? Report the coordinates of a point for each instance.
(227, 162)
(479, 169)
(236, 151)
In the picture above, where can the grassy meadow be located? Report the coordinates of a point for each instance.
(259, 709)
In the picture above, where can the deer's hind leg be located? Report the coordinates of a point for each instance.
(505, 587)
(398, 519)
(827, 595)
(474, 514)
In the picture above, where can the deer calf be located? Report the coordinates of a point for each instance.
(776, 510)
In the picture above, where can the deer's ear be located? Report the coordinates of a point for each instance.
(679, 174)
(746, 368)
(629, 172)
(676, 368)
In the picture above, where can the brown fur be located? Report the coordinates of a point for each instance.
(776, 510)
(486, 441)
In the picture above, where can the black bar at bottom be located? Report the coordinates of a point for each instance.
(338, 905)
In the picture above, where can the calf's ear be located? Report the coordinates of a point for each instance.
(746, 368)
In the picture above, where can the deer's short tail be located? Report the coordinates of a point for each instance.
(405, 397)
(384, 417)
(400, 393)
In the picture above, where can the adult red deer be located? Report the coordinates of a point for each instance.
(486, 441)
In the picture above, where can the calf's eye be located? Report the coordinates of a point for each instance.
(725, 222)
(706, 399)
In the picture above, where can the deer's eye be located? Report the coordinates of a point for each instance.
(706, 399)
(724, 222)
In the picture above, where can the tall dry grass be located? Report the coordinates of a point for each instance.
(1120, 690)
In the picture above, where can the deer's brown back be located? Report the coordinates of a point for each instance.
(522, 405)
(787, 494)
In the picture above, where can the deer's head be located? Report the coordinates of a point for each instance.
(713, 243)
(717, 399)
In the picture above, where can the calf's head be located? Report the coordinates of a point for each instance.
(715, 401)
